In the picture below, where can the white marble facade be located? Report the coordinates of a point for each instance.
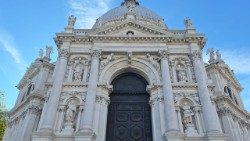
(68, 100)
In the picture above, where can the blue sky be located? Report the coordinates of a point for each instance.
(28, 25)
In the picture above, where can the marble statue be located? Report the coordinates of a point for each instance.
(40, 55)
(211, 54)
(182, 77)
(181, 73)
(70, 114)
(78, 73)
(48, 51)
(218, 55)
(188, 23)
(107, 60)
(71, 21)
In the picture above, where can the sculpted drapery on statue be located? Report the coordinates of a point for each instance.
(71, 21)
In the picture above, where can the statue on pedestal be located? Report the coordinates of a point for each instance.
(40, 54)
(188, 23)
(188, 119)
(71, 21)
(48, 51)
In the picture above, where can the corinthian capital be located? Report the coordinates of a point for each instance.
(96, 53)
(196, 55)
(63, 53)
(164, 54)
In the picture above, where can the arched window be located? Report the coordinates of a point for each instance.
(30, 88)
(236, 101)
(130, 33)
(228, 91)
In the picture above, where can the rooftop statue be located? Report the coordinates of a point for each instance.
(71, 21)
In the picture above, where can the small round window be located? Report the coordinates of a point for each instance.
(130, 33)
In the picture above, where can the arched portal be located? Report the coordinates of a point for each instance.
(129, 114)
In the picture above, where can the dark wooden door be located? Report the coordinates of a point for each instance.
(129, 115)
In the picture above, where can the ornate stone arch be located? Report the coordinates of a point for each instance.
(138, 66)
(190, 100)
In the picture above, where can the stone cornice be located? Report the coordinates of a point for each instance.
(159, 39)
(23, 104)
(229, 75)
(224, 101)
(75, 84)
(34, 70)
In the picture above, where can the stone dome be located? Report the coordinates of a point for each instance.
(129, 9)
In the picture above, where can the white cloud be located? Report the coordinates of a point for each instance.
(87, 11)
(7, 43)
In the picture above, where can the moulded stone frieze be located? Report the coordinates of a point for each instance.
(224, 101)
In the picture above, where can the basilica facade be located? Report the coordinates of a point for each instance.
(129, 78)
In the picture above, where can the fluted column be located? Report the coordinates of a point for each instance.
(49, 115)
(170, 114)
(88, 113)
(212, 124)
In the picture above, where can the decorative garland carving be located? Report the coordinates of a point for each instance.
(164, 54)
(63, 53)
(96, 53)
(102, 100)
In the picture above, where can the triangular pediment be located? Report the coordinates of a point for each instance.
(130, 28)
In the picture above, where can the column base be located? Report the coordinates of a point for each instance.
(42, 136)
(217, 137)
(85, 135)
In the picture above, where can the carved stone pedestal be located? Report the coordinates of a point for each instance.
(42, 136)
(173, 137)
(217, 137)
(191, 131)
(68, 129)
(85, 135)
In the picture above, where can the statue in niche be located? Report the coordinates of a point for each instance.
(153, 61)
(187, 114)
(188, 119)
(181, 73)
(107, 60)
(70, 113)
(78, 73)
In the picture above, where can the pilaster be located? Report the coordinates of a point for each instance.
(49, 114)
